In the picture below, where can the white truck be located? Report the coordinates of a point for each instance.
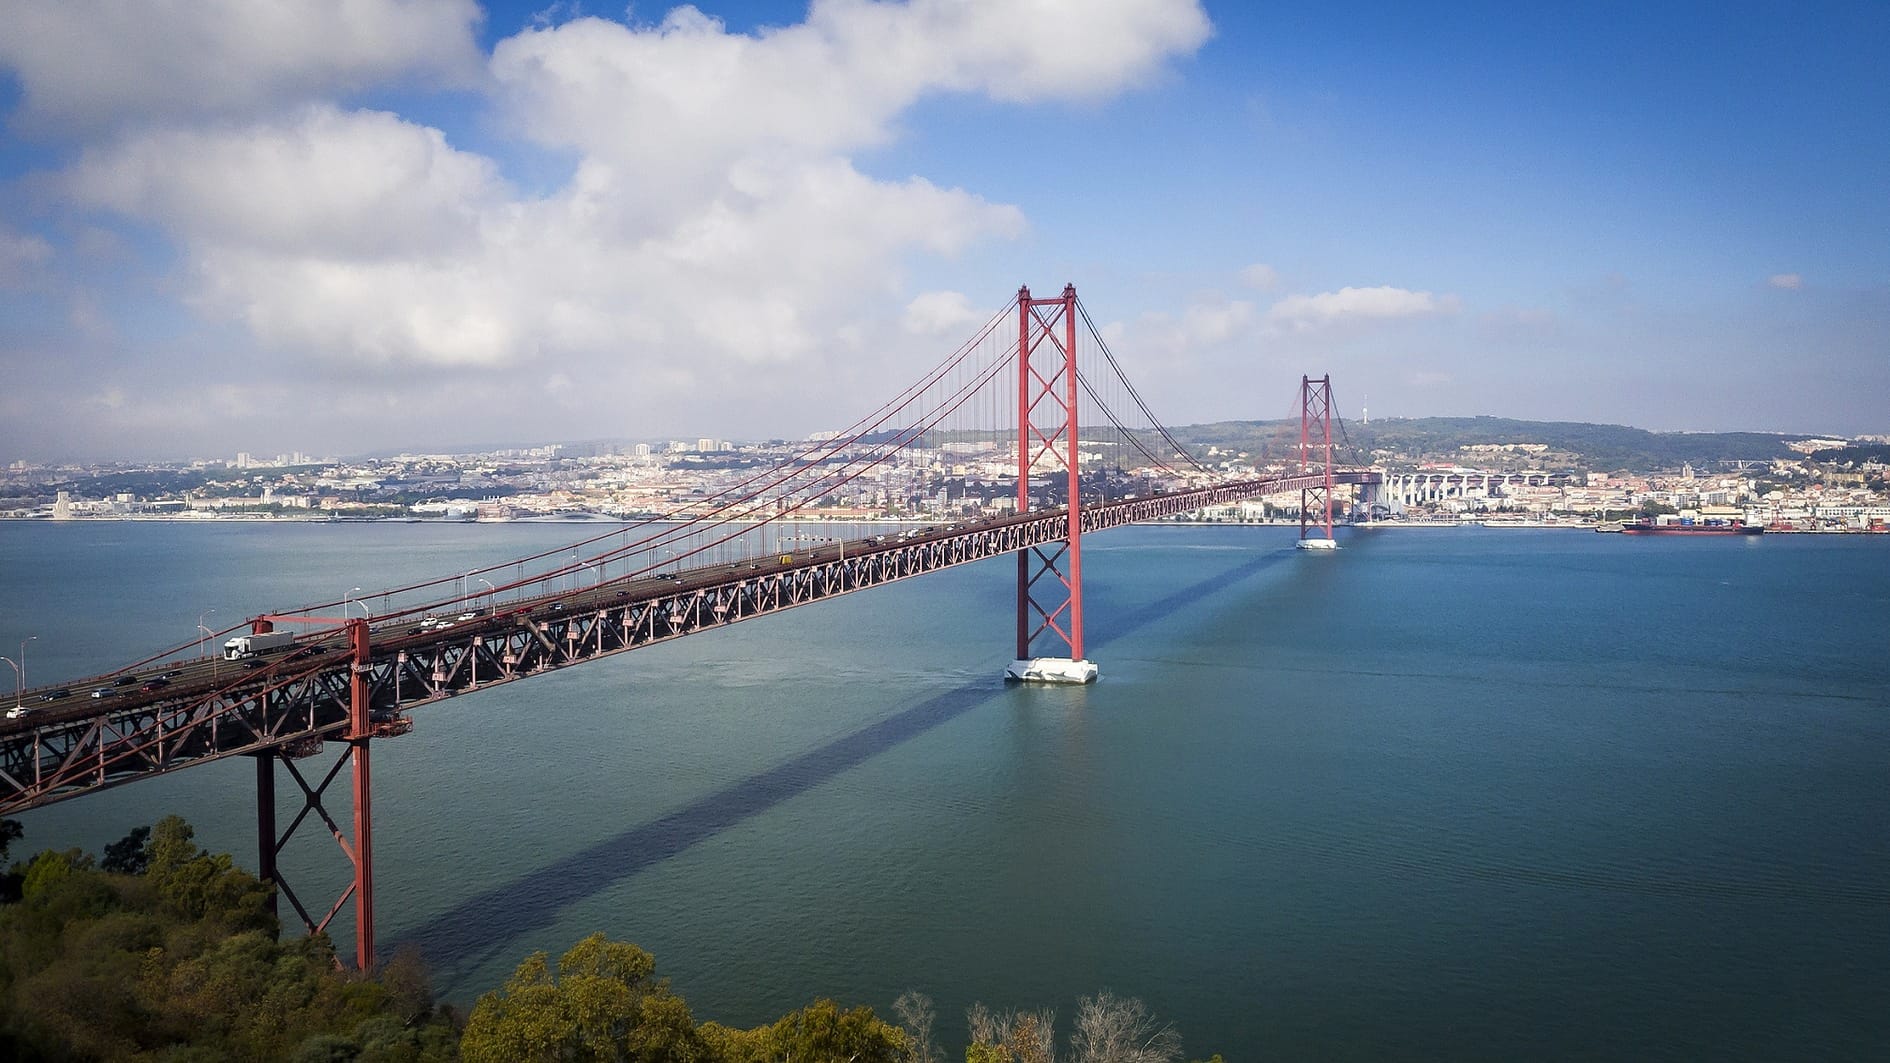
(250, 645)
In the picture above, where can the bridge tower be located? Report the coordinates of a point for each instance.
(1315, 445)
(1049, 577)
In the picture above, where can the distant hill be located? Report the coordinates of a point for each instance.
(1571, 444)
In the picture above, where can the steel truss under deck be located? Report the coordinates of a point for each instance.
(293, 706)
(298, 702)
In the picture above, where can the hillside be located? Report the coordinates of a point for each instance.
(1571, 444)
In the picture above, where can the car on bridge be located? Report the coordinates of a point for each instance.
(55, 695)
(18, 712)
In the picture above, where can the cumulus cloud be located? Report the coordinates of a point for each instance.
(87, 64)
(1210, 320)
(939, 314)
(674, 106)
(711, 239)
(1260, 276)
(21, 255)
(1353, 304)
(1789, 282)
(321, 183)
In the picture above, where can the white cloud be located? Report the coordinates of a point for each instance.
(1260, 276)
(712, 245)
(321, 182)
(1209, 321)
(1789, 282)
(355, 237)
(1350, 304)
(939, 314)
(674, 106)
(86, 64)
(21, 255)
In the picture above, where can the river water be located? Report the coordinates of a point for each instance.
(1442, 794)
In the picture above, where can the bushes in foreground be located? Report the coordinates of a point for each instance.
(162, 951)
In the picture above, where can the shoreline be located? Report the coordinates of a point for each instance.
(1504, 525)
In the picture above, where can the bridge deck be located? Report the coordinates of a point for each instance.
(208, 708)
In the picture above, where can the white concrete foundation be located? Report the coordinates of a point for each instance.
(1051, 670)
(1318, 544)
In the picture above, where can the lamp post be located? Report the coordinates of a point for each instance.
(494, 593)
(21, 668)
(348, 599)
(19, 679)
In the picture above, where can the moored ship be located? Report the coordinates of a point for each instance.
(1691, 527)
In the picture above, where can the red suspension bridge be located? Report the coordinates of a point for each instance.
(1048, 404)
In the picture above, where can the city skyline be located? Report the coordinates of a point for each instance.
(435, 223)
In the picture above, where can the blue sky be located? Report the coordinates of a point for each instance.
(448, 223)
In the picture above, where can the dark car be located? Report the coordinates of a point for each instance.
(255, 663)
(314, 651)
(156, 684)
(124, 680)
(173, 673)
(104, 692)
(55, 695)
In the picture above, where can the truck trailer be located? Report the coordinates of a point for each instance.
(250, 645)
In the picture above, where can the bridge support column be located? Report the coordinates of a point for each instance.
(359, 850)
(1049, 577)
(266, 824)
(359, 734)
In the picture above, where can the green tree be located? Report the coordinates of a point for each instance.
(127, 855)
(195, 884)
(603, 1004)
(98, 964)
(820, 1031)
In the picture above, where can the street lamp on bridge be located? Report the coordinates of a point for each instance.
(23, 642)
(19, 678)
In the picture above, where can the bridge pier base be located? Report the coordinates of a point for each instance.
(1051, 670)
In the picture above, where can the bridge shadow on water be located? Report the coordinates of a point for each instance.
(459, 939)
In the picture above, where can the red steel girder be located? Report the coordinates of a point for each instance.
(63, 754)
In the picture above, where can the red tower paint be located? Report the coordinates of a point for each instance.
(1315, 443)
(1046, 429)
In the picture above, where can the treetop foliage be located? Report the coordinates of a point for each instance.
(163, 951)
(166, 952)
